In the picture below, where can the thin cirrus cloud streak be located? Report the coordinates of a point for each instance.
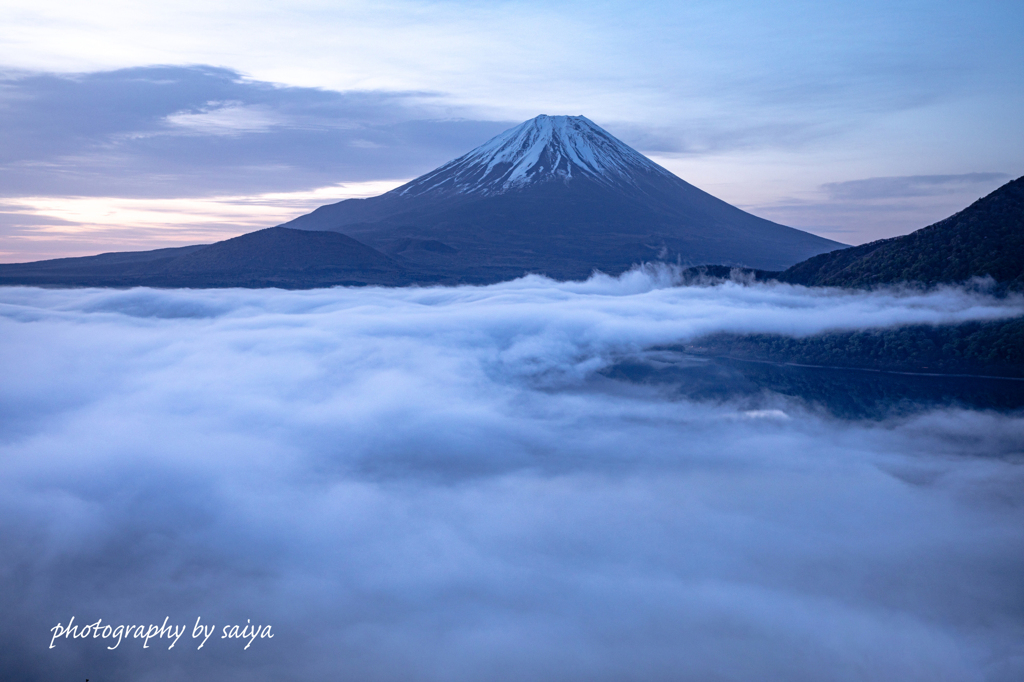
(427, 484)
(226, 118)
(910, 186)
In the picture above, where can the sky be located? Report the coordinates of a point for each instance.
(138, 125)
(446, 484)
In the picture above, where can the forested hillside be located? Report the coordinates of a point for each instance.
(985, 348)
(986, 238)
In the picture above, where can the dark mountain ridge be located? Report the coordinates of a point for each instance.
(984, 239)
(274, 257)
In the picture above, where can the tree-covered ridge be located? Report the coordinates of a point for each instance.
(986, 238)
(988, 348)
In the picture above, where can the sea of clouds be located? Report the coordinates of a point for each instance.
(438, 484)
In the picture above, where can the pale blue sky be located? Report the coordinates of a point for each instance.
(853, 120)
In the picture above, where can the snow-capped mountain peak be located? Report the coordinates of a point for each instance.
(543, 149)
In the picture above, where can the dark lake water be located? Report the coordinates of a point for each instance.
(844, 393)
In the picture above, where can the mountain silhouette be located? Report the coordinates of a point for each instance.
(556, 195)
(561, 196)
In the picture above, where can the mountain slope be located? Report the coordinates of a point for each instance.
(543, 149)
(560, 195)
(986, 238)
(105, 269)
(275, 257)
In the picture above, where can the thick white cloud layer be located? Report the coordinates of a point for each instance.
(433, 484)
